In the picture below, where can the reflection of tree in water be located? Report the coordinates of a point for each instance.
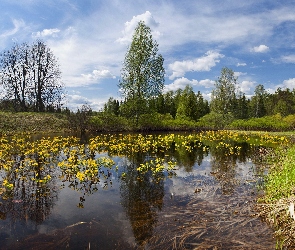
(258, 156)
(29, 201)
(142, 197)
(188, 159)
(224, 166)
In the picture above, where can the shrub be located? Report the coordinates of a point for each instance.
(109, 122)
(266, 123)
(215, 120)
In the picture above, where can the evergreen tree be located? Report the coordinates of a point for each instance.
(112, 106)
(187, 106)
(257, 102)
(170, 104)
(241, 109)
(202, 106)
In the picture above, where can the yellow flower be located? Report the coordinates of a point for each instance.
(80, 176)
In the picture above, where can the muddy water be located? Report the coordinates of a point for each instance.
(208, 204)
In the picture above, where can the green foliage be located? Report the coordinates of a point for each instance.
(109, 122)
(215, 120)
(241, 107)
(132, 108)
(142, 74)
(290, 120)
(282, 101)
(258, 102)
(80, 120)
(266, 123)
(112, 106)
(153, 121)
(180, 124)
(280, 181)
(223, 96)
(187, 106)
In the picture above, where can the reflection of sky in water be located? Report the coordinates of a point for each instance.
(186, 182)
(103, 208)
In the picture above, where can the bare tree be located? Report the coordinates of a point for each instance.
(31, 77)
(45, 77)
(15, 75)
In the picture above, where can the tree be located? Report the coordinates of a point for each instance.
(257, 102)
(14, 65)
(284, 102)
(30, 76)
(223, 96)
(241, 109)
(112, 106)
(202, 106)
(46, 77)
(187, 106)
(170, 103)
(80, 121)
(143, 72)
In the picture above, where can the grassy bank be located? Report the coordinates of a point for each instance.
(11, 123)
(279, 185)
(279, 194)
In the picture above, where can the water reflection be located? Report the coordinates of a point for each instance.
(188, 159)
(142, 199)
(96, 167)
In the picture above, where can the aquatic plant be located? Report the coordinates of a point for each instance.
(24, 159)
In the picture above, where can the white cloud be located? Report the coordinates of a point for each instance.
(180, 83)
(131, 25)
(290, 83)
(241, 64)
(46, 33)
(246, 86)
(204, 63)
(75, 101)
(260, 49)
(288, 59)
(90, 41)
(79, 54)
(238, 74)
(207, 96)
(18, 25)
(207, 83)
(98, 74)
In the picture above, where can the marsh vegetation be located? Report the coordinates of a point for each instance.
(134, 191)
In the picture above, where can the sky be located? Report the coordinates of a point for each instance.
(197, 38)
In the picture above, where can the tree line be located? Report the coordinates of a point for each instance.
(31, 81)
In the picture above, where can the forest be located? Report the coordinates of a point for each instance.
(33, 96)
(31, 82)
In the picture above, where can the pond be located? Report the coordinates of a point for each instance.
(168, 191)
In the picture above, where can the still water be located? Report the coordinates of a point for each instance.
(206, 202)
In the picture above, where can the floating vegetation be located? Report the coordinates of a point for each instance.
(32, 172)
(23, 159)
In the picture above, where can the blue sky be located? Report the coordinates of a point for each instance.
(256, 39)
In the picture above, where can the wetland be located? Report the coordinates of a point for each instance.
(135, 191)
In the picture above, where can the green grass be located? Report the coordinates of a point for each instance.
(280, 182)
(279, 193)
(27, 122)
